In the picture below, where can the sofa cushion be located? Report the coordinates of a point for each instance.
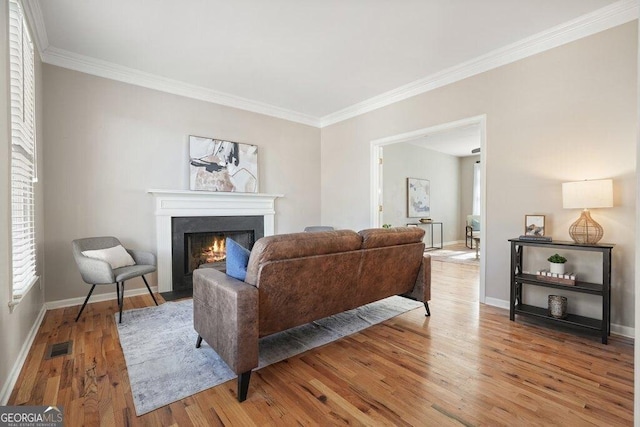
(297, 245)
(382, 237)
(237, 259)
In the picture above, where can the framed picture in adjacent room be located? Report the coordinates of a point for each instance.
(218, 165)
(534, 225)
(418, 203)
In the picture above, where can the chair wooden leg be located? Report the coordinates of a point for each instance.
(243, 385)
(85, 302)
(150, 293)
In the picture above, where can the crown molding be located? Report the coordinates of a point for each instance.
(36, 22)
(602, 19)
(109, 70)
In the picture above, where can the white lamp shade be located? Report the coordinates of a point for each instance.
(587, 194)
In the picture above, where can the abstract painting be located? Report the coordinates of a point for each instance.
(418, 203)
(217, 165)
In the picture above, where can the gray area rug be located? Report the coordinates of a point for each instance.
(164, 366)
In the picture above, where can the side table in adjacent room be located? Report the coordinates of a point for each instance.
(429, 224)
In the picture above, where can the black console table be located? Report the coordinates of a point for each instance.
(518, 279)
(430, 225)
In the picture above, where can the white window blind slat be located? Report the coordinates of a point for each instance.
(23, 149)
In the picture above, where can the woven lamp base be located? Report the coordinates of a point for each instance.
(585, 230)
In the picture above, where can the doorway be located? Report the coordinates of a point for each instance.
(423, 137)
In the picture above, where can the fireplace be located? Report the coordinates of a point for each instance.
(200, 241)
(170, 204)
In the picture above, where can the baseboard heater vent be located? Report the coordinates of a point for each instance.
(59, 349)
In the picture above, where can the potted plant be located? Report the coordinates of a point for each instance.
(556, 263)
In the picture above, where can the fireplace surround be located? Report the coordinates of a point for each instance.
(200, 240)
(171, 204)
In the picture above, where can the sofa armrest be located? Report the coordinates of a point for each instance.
(422, 288)
(225, 315)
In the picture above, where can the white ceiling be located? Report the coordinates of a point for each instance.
(457, 142)
(310, 61)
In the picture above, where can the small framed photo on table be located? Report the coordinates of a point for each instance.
(534, 225)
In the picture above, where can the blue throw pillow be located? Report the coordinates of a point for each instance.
(237, 260)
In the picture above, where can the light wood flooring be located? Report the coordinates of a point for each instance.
(467, 364)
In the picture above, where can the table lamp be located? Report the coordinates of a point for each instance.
(587, 195)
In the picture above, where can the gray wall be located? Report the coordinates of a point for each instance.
(404, 160)
(109, 142)
(563, 115)
(16, 325)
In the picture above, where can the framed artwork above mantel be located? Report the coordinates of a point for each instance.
(218, 165)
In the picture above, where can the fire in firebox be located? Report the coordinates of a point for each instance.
(216, 252)
(206, 248)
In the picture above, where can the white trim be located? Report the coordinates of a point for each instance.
(496, 302)
(63, 58)
(12, 378)
(35, 20)
(453, 242)
(621, 330)
(415, 134)
(375, 184)
(375, 177)
(636, 309)
(602, 19)
(625, 331)
(22, 293)
(107, 296)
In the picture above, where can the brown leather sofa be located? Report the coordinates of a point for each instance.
(293, 279)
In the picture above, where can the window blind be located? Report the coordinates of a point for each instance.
(23, 152)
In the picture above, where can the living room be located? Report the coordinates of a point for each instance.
(566, 110)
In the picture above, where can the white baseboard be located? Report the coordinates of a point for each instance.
(500, 303)
(621, 330)
(107, 296)
(8, 385)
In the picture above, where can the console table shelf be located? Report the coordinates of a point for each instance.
(571, 319)
(519, 279)
(583, 287)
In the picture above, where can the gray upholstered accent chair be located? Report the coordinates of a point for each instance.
(98, 272)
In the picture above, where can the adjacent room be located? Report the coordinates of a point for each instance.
(444, 163)
(338, 213)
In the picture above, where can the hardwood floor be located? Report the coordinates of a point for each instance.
(467, 364)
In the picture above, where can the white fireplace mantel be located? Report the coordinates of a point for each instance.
(180, 203)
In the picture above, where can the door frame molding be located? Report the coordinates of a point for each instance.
(376, 153)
